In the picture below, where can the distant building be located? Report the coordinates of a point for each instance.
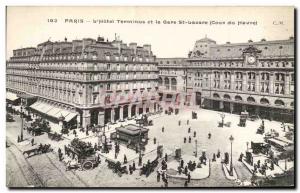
(85, 81)
(172, 80)
(254, 76)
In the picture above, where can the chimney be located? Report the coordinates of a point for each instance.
(147, 47)
(133, 47)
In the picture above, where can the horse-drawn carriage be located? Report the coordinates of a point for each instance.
(38, 127)
(84, 153)
(144, 121)
(38, 150)
(117, 167)
(55, 136)
(149, 167)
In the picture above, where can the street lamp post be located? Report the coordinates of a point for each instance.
(231, 167)
(196, 149)
(140, 150)
(21, 137)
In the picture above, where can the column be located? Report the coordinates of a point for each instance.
(244, 108)
(101, 118)
(271, 86)
(221, 79)
(144, 108)
(287, 84)
(129, 111)
(137, 110)
(257, 82)
(78, 120)
(231, 107)
(86, 118)
(121, 113)
(151, 109)
(221, 105)
(112, 115)
(244, 83)
(257, 110)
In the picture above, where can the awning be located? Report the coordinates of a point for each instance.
(70, 117)
(53, 111)
(11, 96)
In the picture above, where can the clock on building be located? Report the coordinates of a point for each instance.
(251, 59)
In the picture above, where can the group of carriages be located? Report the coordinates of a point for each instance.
(40, 149)
(38, 127)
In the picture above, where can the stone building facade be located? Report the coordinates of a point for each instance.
(91, 81)
(172, 81)
(255, 76)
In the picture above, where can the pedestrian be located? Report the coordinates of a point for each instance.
(125, 159)
(130, 169)
(59, 151)
(87, 132)
(179, 122)
(166, 157)
(18, 138)
(96, 147)
(184, 140)
(166, 183)
(194, 133)
(32, 141)
(189, 177)
(186, 183)
(158, 177)
(133, 166)
(218, 154)
(189, 130)
(187, 122)
(154, 140)
(181, 163)
(214, 157)
(163, 129)
(185, 170)
(190, 139)
(74, 133)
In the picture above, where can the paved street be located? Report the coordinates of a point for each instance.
(46, 170)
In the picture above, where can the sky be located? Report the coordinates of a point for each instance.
(29, 26)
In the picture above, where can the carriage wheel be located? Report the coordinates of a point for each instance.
(88, 165)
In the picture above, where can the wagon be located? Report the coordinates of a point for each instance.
(38, 150)
(55, 136)
(149, 168)
(116, 166)
(87, 158)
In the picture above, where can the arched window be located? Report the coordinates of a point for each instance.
(159, 81)
(264, 101)
(173, 84)
(167, 83)
(238, 98)
(226, 96)
(215, 95)
(250, 100)
(279, 102)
